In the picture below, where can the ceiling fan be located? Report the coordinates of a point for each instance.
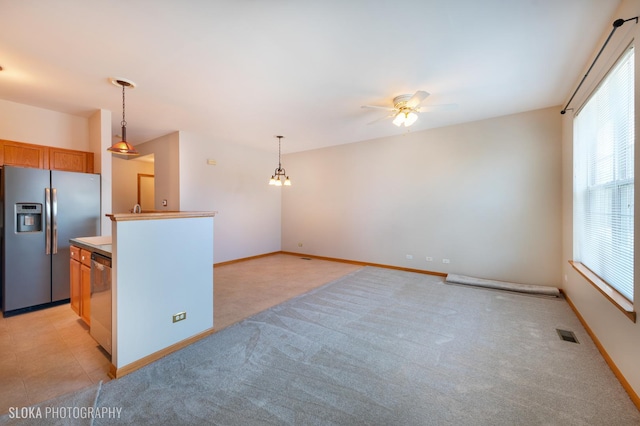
(406, 108)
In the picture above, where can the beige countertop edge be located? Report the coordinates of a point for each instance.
(121, 217)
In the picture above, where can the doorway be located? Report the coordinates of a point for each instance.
(146, 191)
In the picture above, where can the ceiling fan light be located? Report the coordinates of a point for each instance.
(410, 119)
(399, 120)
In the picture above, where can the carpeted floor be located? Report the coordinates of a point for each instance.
(378, 347)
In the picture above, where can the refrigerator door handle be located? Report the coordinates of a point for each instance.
(47, 221)
(54, 218)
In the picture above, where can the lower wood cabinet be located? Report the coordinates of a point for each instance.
(74, 274)
(80, 273)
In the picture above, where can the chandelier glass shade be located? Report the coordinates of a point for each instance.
(123, 147)
(279, 176)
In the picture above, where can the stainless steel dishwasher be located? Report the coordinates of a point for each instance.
(100, 315)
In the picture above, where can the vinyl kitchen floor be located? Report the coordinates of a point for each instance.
(48, 353)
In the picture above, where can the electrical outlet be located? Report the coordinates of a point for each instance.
(164, 203)
(409, 256)
(179, 316)
(429, 259)
(299, 244)
(446, 261)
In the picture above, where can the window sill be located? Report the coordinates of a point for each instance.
(612, 295)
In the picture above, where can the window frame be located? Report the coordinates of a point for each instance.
(609, 291)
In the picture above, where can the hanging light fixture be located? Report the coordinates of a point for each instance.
(123, 147)
(279, 176)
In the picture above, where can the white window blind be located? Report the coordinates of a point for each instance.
(604, 178)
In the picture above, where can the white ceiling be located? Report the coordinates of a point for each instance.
(243, 71)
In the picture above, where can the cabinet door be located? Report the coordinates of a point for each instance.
(85, 293)
(70, 160)
(74, 274)
(23, 155)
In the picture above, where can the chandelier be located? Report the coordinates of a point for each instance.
(279, 176)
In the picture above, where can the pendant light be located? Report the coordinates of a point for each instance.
(123, 147)
(279, 176)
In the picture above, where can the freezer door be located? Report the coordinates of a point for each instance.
(76, 201)
(26, 269)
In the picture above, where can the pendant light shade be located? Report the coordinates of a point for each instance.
(279, 176)
(123, 147)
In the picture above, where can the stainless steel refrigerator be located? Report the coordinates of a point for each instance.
(41, 210)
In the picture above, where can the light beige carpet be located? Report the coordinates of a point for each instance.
(382, 347)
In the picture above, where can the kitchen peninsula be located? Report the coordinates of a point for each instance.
(162, 284)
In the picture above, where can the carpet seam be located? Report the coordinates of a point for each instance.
(95, 401)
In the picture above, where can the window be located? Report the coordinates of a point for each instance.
(604, 179)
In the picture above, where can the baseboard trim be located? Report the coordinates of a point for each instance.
(116, 373)
(357, 262)
(333, 259)
(230, 262)
(616, 371)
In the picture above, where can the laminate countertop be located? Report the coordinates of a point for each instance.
(99, 244)
(157, 215)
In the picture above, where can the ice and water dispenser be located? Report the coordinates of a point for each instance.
(28, 217)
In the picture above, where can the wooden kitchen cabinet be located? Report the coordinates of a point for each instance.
(85, 293)
(70, 160)
(80, 281)
(23, 155)
(74, 273)
(44, 157)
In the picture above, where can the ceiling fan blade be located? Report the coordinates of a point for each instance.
(442, 107)
(378, 107)
(417, 97)
(386, 117)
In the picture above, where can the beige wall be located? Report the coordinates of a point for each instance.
(248, 219)
(24, 123)
(166, 153)
(485, 195)
(99, 141)
(125, 182)
(619, 336)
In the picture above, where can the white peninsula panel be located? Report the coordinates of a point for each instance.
(162, 265)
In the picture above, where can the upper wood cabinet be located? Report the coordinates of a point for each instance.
(44, 157)
(71, 161)
(22, 154)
